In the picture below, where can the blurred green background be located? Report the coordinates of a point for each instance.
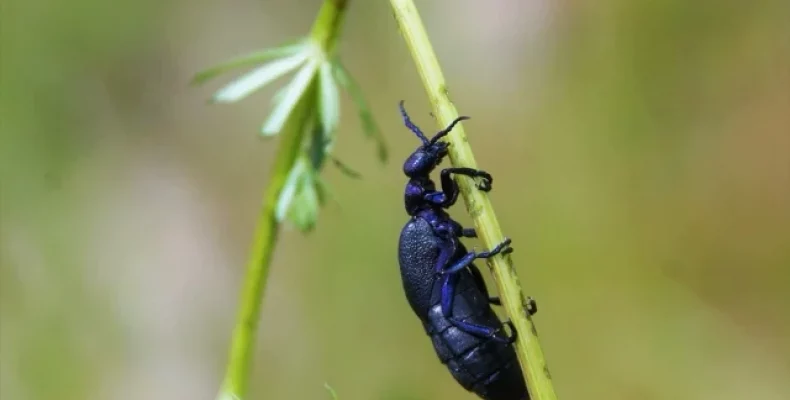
(641, 151)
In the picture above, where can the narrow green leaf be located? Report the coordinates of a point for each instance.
(301, 198)
(320, 148)
(329, 99)
(258, 78)
(325, 191)
(279, 94)
(318, 144)
(303, 212)
(310, 204)
(296, 89)
(345, 169)
(290, 189)
(322, 190)
(253, 58)
(369, 126)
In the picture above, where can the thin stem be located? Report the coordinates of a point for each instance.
(266, 232)
(327, 25)
(528, 348)
(324, 34)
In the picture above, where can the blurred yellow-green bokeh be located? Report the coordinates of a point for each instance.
(641, 151)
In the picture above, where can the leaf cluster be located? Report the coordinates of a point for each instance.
(317, 79)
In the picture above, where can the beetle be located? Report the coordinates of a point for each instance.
(443, 286)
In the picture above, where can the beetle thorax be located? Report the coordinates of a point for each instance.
(415, 192)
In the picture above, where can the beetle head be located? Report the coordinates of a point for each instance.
(432, 151)
(425, 159)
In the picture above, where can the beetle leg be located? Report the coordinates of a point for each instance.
(439, 198)
(513, 333)
(445, 253)
(448, 296)
(459, 231)
(459, 265)
(481, 284)
(467, 259)
(450, 187)
(448, 233)
(531, 306)
(447, 196)
(469, 233)
(449, 193)
(503, 248)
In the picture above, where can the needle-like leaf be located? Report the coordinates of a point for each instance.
(296, 88)
(303, 211)
(328, 99)
(369, 126)
(289, 189)
(246, 60)
(345, 169)
(258, 78)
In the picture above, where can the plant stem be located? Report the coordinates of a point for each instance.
(266, 232)
(324, 34)
(327, 25)
(528, 348)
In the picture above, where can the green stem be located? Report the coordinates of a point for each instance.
(327, 25)
(528, 348)
(324, 33)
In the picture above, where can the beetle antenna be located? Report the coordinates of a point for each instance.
(411, 126)
(442, 133)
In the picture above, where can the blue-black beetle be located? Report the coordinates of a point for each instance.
(444, 288)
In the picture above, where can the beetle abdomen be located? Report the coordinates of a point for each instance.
(482, 365)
